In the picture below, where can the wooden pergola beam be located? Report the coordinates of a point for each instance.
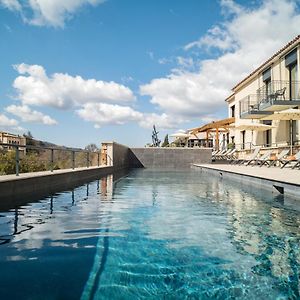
(214, 125)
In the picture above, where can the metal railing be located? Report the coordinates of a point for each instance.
(279, 90)
(46, 158)
(275, 90)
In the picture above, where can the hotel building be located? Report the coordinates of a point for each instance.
(274, 86)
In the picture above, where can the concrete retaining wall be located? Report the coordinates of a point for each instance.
(120, 156)
(168, 157)
(13, 187)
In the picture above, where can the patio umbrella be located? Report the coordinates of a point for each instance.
(290, 114)
(252, 127)
(179, 135)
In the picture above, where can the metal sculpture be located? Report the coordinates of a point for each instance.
(155, 139)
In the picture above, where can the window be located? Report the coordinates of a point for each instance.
(293, 89)
(243, 133)
(268, 135)
(232, 111)
(293, 74)
(291, 65)
(267, 81)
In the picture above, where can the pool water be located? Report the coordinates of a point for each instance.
(152, 235)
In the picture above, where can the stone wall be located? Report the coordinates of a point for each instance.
(168, 157)
(120, 156)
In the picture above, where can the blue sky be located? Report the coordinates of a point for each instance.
(87, 71)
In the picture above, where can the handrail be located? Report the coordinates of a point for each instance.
(18, 148)
(47, 148)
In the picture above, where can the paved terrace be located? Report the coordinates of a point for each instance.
(285, 181)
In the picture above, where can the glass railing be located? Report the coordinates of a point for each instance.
(249, 104)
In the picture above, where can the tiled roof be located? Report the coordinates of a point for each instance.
(297, 38)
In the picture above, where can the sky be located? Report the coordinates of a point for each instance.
(76, 72)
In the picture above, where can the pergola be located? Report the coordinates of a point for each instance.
(215, 126)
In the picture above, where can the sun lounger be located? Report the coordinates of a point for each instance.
(230, 155)
(218, 155)
(214, 153)
(271, 162)
(237, 161)
(261, 160)
(295, 159)
(223, 156)
(248, 160)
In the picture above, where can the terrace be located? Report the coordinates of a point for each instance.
(273, 96)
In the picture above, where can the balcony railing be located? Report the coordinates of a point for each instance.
(279, 90)
(248, 104)
(270, 94)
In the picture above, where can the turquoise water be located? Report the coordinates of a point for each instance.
(152, 235)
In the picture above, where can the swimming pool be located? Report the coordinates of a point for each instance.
(152, 235)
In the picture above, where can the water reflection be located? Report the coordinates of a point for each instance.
(27, 217)
(181, 232)
(102, 248)
(264, 229)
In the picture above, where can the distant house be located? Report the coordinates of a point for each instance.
(274, 86)
(12, 139)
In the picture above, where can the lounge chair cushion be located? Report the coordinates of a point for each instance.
(291, 157)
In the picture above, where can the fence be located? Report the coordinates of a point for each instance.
(19, 158)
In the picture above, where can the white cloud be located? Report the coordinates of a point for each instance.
(108, 114)
(47, 12)
(102, 114)
(185, 62)
(216, 37)
(245, 40)
(164, 61)
(11, 4)
(6, 122)
(96, 101)
(64, 91)
(162, 121)
(10, 125)
(28, 115)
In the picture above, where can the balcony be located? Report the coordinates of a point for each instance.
(279, 95)
(250, 108)
(275, 96)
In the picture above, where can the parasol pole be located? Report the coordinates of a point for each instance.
(291, 136)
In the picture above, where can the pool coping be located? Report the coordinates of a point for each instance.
(287, 186)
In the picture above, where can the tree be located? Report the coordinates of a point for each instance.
(7, 163)
(28, 135)
(166, 141)
(92, 148)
